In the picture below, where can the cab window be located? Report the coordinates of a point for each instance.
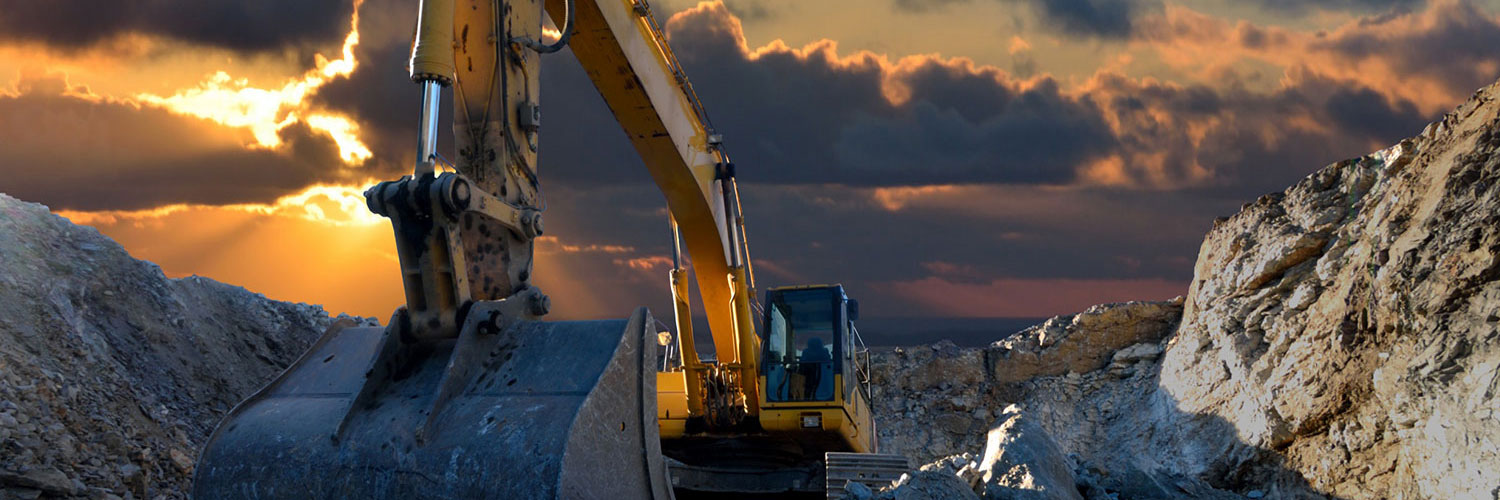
(801, 342)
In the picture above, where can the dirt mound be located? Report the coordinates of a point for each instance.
(111, 374)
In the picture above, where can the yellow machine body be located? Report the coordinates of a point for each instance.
(672, 403)
(846, 414)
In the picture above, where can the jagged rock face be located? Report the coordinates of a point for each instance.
(940, 400)
(112, 375)
(1350, 323)
(1085, 342)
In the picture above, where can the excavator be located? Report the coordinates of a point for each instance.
(467, 393)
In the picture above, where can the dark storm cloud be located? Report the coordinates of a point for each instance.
(256, 25)
(1107, 18)
(381, 97)
(813, 117)
(797, 119)
(929, 144)
(1255, 145)
(1102, 18)
(1301, 6)
(814, 120)
(818, 117)
(93, 154)
(1365, 113)
(963, 124)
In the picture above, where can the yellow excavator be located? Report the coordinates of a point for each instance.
(466, 393)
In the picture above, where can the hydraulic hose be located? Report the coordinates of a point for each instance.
(562, 39)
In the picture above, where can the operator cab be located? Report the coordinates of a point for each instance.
(807, 349)
(815, 370)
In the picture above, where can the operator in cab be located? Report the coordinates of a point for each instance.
(814, 358)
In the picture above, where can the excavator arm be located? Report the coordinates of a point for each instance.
(625, 54)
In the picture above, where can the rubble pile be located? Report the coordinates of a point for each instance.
(112, 375)
(1339, 339)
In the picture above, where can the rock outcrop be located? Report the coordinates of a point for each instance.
(1340, 339)
(940, 400)
(112, 375)
(1349, 325)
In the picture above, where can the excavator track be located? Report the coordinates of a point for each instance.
(530, 410)
(870, 469)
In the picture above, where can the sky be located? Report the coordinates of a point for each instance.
(940, 158)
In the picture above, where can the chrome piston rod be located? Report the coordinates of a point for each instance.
(432, 94)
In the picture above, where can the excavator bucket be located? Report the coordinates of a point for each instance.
(509, 409)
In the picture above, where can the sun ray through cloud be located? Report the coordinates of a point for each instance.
(266, 111)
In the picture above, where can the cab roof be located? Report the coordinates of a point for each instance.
(839, 286)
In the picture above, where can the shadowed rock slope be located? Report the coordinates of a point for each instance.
(111, 374)
(1350, 323)
(1341, 338)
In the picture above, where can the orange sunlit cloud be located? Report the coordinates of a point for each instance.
(247, 92)
(651, 263)
(550, 244)
(1207, 45)
(1018, 45)
(894, 73)
(897, 198)
(265, 111)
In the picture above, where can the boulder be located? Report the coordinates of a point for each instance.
(45, 479)
(1022, 462)
(854, 490)
(929, 485)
